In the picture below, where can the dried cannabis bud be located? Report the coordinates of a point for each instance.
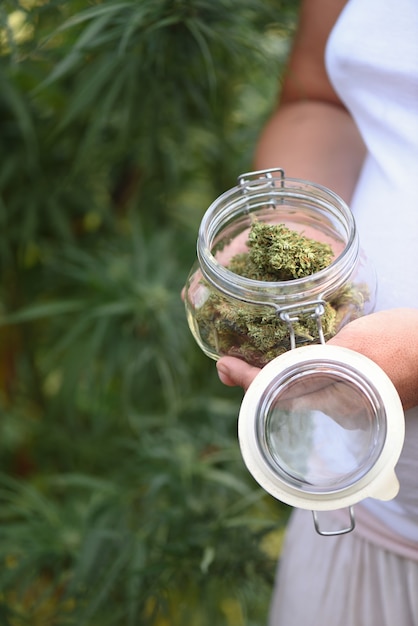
(254, 332)
(276, 253)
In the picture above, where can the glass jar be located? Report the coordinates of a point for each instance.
(257, 319)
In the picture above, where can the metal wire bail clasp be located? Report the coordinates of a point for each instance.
(247, 180)
(290, 314)
(263, 180)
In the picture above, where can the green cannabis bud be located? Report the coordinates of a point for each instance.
(276, 253)
(255, 332)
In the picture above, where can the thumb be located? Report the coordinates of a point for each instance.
(235, 372)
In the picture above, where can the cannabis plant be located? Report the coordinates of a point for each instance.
(123, 497)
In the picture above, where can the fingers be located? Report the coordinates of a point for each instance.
(235, 372)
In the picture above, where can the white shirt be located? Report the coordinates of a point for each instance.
(372, 61)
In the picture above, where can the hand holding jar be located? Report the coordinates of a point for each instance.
(389, 338)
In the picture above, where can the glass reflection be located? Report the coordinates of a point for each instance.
(322, 433)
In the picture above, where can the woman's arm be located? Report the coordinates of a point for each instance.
(311, 135)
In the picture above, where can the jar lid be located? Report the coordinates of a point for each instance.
(321, 427)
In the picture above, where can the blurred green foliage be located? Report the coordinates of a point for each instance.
(123, 496)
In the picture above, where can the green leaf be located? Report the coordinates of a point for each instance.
(42, 311)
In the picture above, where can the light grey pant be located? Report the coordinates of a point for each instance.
(341, 581)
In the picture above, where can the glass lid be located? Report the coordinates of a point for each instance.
(321, 427)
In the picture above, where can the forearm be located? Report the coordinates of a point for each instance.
(313, 140)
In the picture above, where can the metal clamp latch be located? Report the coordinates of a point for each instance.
(333, 533)
(290, 314)
(244, 180)
(262, 180)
